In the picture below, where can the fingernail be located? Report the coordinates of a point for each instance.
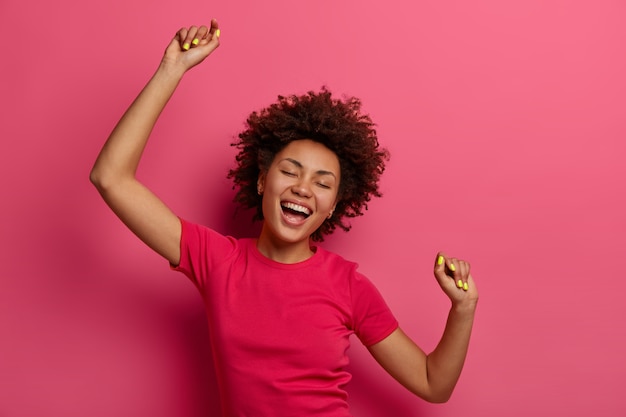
(439, 260)
(195, 41)
(465, 286)
(452, 267)
(186, 46)
(217, 33)
(459, 284)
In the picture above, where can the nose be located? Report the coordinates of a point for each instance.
(302, 188)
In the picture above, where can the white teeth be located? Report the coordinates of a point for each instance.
(296, 207)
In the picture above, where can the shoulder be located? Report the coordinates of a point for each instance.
(335, 262)
(347, 272)
(344, 273)
(195, 229)
(203, 250)
(200, 239)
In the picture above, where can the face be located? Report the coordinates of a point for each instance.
(299, 192)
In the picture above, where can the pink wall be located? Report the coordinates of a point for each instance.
(507, 128)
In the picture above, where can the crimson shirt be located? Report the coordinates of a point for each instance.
(280, 332)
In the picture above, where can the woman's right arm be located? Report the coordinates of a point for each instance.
(113, 173)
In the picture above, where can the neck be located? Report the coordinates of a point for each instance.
(284, 252)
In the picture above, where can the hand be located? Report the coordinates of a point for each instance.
(455, 280)
(192, 45)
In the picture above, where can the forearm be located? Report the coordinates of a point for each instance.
(113, 173)
(445, 363)
(122, 151)
(433, 377)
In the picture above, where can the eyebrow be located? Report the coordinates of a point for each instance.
(318, 172)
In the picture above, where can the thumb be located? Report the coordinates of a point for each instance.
(444, 269)
(440, 265)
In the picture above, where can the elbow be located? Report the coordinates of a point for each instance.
(435, 396)
(439, 398)
(105, 175)
(102, 179)
(93, 176)
(96, 178)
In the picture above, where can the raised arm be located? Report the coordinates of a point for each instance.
(434, 376)
(113, 173)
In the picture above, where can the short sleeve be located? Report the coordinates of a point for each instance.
(372, 319)
(201, 248)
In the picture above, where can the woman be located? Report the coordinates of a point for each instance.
(281, 310)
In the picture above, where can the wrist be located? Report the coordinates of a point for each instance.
(171, 69)
(464, 307)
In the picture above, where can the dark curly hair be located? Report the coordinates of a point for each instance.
(338, 125)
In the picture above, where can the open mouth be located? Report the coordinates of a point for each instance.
(294, 211)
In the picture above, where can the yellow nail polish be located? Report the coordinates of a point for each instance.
(196, 41)
(217, 33)
(439, 260)
(459, 284)
(186, 46)
(465, 286)
(452, 267)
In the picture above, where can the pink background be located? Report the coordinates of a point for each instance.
(506, 124)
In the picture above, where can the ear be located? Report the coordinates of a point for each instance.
(260, 183)
(332, 210)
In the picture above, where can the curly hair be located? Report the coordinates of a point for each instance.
(338, 125)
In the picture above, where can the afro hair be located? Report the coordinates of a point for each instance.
(337, 124)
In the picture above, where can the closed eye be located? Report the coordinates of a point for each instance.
(323, 185)
(288, 173)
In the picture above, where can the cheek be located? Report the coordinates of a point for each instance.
(329, 201)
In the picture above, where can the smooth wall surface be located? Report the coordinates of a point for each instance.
(506, 121)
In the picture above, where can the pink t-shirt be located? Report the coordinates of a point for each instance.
(280, 332)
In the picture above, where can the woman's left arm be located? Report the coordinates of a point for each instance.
(434, 376)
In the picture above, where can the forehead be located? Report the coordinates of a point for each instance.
(309, 154)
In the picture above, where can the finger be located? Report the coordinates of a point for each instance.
(439, 260)
(177, 41)
(464, 269)
(453, 270)
(181, 35)
(201, 36)
(214, 27)
(441, 269)
(470, 280)
(214, 32)
(440, 265)
(191, 36)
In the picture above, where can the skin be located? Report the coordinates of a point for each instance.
(304, 173)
